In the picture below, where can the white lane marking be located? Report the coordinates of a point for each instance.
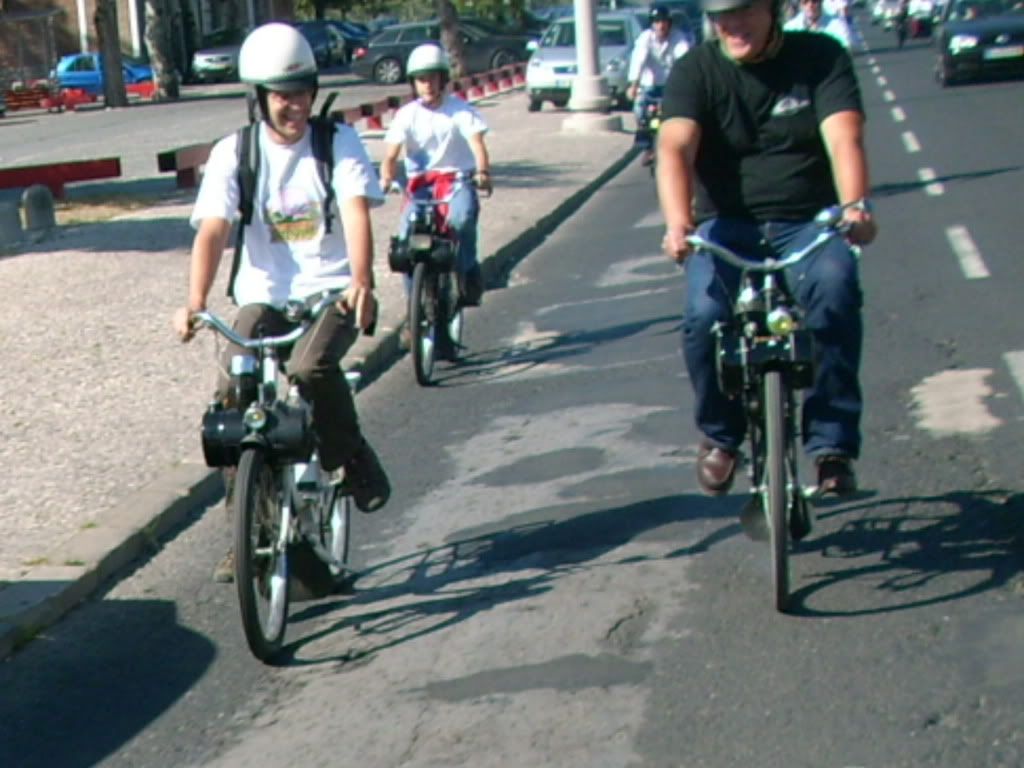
(883, 81)
(953, 403)
(875, 69)
(652, 219)
(931, 187)
(910, 142)
(898, 114)
(1015, 362)
(889, 96)
(636, 270)
(966, 252)
(672, 288)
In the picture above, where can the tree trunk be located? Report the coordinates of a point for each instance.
(451, 38)
(109, 41)
(158, 40)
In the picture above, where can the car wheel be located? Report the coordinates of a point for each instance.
(502, 58)
(387, 71)
(561, 103)
(534, 105)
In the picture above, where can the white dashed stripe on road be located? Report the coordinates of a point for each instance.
(889, 96)
(910, 142)
(898, 114)
(882, 81)
(652, 219)
(966, 252)
(1015, 362)
(931, 187)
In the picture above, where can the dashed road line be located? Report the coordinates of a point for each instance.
(889, 96)
(1015, 362)
(883, 81)
(898, 114)
(910, 142)
(931, 186)
(967, 252)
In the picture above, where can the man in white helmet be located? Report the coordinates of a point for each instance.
(288, 253)
(442, 134)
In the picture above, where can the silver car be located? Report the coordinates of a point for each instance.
(552, 65)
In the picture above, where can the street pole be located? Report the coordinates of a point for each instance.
(588, 100)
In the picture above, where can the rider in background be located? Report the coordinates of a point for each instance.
(653, 53)
(442, 134)
(813, 18)
(288, 255)
(761, 129)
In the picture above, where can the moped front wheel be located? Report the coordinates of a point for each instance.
(261, 554)
(422, 324)
(774, 483)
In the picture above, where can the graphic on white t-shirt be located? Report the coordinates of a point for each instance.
(292, 216)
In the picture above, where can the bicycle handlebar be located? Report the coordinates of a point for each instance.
(305, 320)
(829, 221)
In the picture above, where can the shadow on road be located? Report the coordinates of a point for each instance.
(433, 589)
(933, 549)
(904, 187)
(92, 693)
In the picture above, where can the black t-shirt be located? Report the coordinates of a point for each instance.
(761, 153)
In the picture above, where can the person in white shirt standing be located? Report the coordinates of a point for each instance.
(442, 136)
(653, 54)
(290, 254)
(812, 18)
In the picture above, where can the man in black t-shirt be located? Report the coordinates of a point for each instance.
(761, 130)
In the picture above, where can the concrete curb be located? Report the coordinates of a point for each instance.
(90, 558)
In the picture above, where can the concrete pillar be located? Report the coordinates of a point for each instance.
(589, 98)
(589, 88)
(37, 202)
(10, 224)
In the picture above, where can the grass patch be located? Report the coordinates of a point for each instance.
(33, 562)
(93, 209)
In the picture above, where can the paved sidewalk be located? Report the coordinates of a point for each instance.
(100, 404)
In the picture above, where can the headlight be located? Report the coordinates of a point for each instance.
(420, 242)
(780, 322)
(959, 43)
(255, 418)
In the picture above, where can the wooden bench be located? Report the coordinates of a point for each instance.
(56, 175)
(186, 162)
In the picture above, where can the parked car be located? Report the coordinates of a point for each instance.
(85, 71)
(687, 16)
(552, 66)
(383, 59)
(979, 38)
(327, 42)
(356, 36)
(217, 59)
(884, 12)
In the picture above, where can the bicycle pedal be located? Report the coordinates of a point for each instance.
(753, 520)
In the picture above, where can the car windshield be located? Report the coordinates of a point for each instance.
(563, 34)
(966, 10)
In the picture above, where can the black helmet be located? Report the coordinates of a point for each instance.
(659, 13)
(720, 6)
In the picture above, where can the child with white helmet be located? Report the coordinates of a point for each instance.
(289, 249)
(442, 134)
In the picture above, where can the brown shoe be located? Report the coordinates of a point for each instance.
(715, 469)
(835, 476)
(224, 572)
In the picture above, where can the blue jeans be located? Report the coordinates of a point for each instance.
(643, 138)
(826, 285)
(463, 217)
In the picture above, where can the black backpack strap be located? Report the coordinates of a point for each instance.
(323, 150)
(247, 153)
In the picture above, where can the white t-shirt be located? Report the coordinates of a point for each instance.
(436, 139)
(287, 253)
(828, 24)
(652, 59)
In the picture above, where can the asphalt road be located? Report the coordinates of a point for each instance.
(548, 587)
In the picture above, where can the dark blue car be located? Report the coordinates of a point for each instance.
(84, 70)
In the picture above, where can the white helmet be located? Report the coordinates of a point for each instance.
(278, 57)
(427, 58)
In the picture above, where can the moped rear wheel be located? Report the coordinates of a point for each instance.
(774, 483)
(261, 554)
(422, 324)
(338, 534)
